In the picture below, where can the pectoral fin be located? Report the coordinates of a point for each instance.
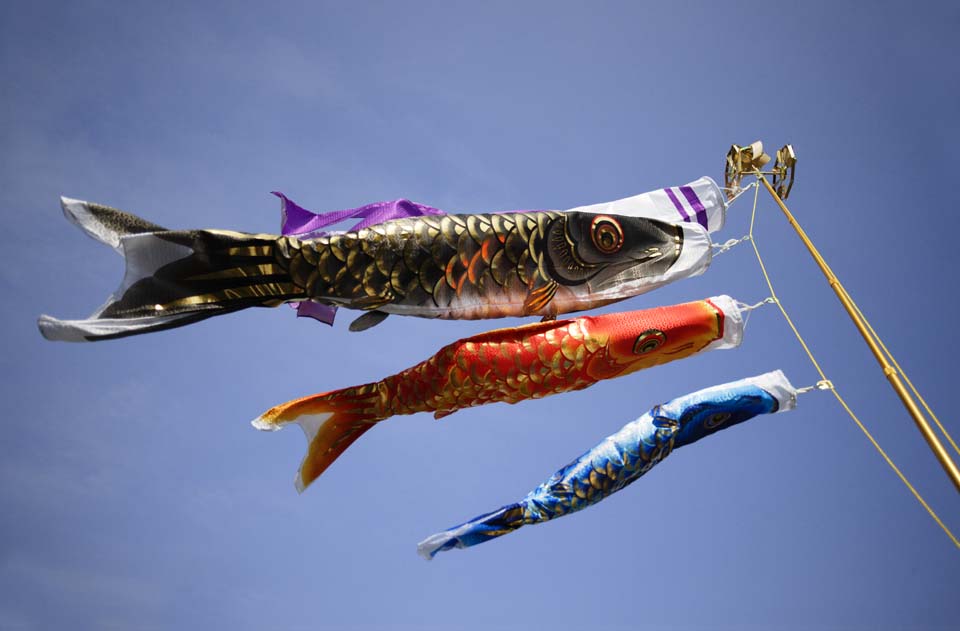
(539, 297)
(368, 320)
(370, 303)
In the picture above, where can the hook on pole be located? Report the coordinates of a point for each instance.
(742, 161)
(750, 160)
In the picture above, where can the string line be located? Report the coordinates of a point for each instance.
(836, 393)
(903, 374)
(723, 248)
(893, 360)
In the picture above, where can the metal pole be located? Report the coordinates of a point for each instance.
(928, 434)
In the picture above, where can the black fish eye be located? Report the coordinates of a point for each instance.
(606, 233)
(715, 420)
(648, 340)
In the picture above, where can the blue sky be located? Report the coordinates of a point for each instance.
(136, 495)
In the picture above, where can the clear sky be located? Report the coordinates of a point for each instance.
(135, 494)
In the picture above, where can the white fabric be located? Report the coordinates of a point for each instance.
(144, 254)
(777, 384)
(83, 330)
(732, 323)
(429, 546)
(675, 204)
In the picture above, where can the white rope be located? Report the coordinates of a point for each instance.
(720, 248)
(749, 308)
(766, 301)
(823, 384)
(737, 192)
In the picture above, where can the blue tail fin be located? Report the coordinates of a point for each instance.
(477, 530)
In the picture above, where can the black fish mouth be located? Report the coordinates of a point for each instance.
(647, 266)
(649, 259)
(650, 262)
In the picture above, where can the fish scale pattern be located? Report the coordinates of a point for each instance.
(508, 365)
(440, 260)
(501, 366)
(463, 266)
(613, 464)
(537, 360)
(622, 458)
(432, 266)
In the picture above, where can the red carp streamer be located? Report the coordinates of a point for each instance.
(508, 365)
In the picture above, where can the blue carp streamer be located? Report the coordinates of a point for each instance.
(625, 456)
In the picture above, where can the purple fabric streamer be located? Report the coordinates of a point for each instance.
(298, 221)
(301, 222)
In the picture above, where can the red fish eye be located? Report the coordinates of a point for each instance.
(607, 234)
(649, 340)
(716, 420)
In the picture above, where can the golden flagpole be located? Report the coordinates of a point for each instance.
(750, 160)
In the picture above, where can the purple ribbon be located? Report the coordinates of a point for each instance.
(300, 222)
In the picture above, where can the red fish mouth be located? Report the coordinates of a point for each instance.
(679, 349)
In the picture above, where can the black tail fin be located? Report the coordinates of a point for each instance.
(174, 277)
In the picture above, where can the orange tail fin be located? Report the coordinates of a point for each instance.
(332, 421)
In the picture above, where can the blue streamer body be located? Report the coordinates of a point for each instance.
(618, 460)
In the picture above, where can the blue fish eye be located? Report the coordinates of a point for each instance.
(715, 420)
